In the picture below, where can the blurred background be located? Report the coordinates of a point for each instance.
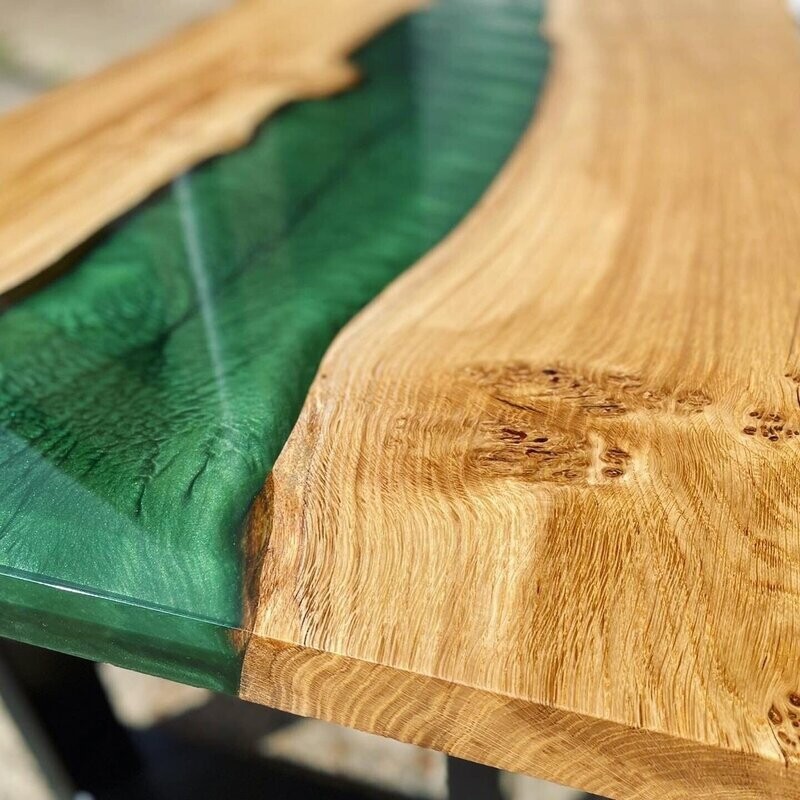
(189, 734)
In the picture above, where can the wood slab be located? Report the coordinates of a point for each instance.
(80, 156)
(541, 506)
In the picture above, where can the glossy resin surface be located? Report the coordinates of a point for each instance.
(145, 394)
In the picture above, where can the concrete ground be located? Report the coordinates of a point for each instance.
(44, 42)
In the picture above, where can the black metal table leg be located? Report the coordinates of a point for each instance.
(469, 781)
(62, 710)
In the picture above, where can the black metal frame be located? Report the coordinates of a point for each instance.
(467, 780)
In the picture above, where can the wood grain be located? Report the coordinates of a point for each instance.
(540, 508)
(80, 156)
(598, 755)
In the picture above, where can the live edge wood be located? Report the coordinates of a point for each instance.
(541, 506)
(81, 155)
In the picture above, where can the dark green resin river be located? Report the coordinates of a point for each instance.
(145, 394)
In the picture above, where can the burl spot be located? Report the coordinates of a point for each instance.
(770, 426)
(557, 424)
(783, 718)
(542, 453)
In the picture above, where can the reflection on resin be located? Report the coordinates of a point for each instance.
(145, 395)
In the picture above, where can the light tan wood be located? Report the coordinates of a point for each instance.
(81, 155)
(573, 749)
(542, 506)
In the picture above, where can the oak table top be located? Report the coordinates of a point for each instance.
(459, 403)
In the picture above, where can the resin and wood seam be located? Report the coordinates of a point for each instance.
(80, 156)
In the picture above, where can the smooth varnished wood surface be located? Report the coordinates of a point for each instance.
(540, 509)
(80, 156)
